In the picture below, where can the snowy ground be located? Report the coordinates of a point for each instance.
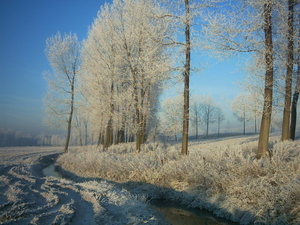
(219, 174)
(27, 197)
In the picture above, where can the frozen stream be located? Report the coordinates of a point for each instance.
(174, 213)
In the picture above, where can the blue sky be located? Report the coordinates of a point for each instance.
(25, 26)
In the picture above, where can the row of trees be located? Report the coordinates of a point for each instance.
(203, 112)
(134, 46)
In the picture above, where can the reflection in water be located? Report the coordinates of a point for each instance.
(179, 215)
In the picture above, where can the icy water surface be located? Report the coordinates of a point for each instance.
(50, 171)
(174, 213)
(179, 215)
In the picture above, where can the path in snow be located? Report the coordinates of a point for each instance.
(27, 197)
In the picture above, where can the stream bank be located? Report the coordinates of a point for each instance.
(174, 213)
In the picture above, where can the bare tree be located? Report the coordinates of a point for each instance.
(185, 14)
(253, 85)
(220, 117)
(63, 53)
(172, 116)
(255, 101)
(195, 118)
(241, 109)
(208, 112)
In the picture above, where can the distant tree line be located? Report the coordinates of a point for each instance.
(18, 138)
(11, 138)
(203, 113)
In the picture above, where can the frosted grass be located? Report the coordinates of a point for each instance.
(220, 175)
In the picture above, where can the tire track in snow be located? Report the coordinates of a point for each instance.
(27, 197)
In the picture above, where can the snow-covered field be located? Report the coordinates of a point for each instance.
(27, 197)
(221, 175)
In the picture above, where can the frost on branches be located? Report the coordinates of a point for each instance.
(125, 63)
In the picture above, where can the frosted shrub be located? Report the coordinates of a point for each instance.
(228, 177)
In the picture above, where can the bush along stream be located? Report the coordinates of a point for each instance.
(173, 212)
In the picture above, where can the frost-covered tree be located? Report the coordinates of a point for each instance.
(256, 103)
(171, 119)
(195, 110)
(208, 112)
(253, 85)
(63, 53)
(125, 64)
(186, 15)
(289, 71)
(81, 124)
(296, 92)
(99, 76)
(241, 109)
(186, 76)
(220, 117)
(249, 26)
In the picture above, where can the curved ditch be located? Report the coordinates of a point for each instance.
(50, 171)
(174, 213)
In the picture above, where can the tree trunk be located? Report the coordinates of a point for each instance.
(185, 129)
(144, 129)
(86, 132)
(70, 115)
(138, 142)
(294, 105)
(197, 129)
(289, 74)
(294, 116)
(207, 125)
(68, 133)
(121, 136)
(108, 135)
(255, 126)
(100, 139)
(138, 133)
(131, 138)
(295, 96)
(141, 134)
(80, 137)
(263, 143)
